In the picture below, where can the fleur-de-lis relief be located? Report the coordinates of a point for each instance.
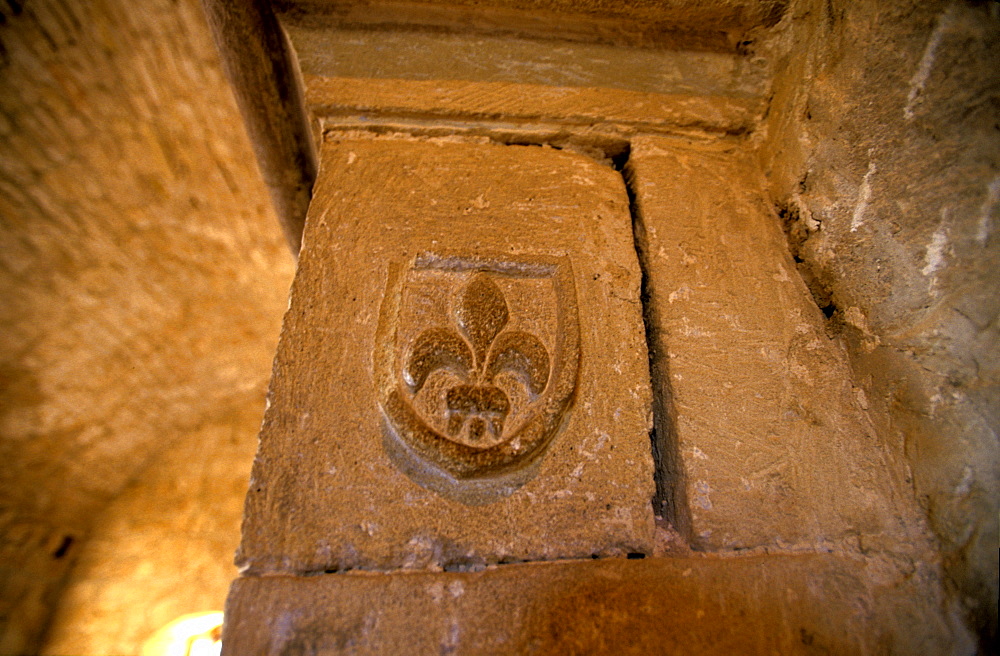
(475, 393)
(479, 351)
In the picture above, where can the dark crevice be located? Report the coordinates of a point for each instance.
(619, 162)
(457, 565)
(609, 150)
(670, 499)
(797, 230)
(564, 134)
(64, 547)
(464, 565)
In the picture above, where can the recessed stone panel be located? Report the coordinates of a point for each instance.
(463, 362)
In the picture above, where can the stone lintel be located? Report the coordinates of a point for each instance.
(586, 109)
(806, 604)
(414, 55)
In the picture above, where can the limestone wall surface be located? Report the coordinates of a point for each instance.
(163, 548)
(142, 271)
(882, 150)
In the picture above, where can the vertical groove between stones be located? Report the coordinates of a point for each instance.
(670, 501)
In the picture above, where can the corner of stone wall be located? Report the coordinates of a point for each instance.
(880, 151)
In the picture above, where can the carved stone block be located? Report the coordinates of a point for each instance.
(462, 375)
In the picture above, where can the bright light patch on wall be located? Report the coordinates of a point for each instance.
(197, 634)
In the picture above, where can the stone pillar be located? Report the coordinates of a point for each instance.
(462, 375)
(456, 457)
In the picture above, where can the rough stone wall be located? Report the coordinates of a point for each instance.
(142, 271)
(882, 150)
(164, 547)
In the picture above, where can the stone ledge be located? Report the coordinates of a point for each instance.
(817, 603)
(621, 111)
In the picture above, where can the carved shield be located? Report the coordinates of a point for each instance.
(476, 362)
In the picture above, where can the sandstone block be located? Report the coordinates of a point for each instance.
(772, 442)
(809, 604)
(462, 375)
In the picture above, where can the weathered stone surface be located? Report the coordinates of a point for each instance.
(164, 547)
(142, 272)
(521, 105)
(771, 443)
(143, 280)
(673, 24)
(809, 604)
(261, 68)
(882, 147)
(426, 415)
(413, 55)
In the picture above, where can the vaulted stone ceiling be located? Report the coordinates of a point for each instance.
(142, 270)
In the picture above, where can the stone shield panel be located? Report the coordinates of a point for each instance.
(476, 364)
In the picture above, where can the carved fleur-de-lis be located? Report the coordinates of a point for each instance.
(477, 353)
